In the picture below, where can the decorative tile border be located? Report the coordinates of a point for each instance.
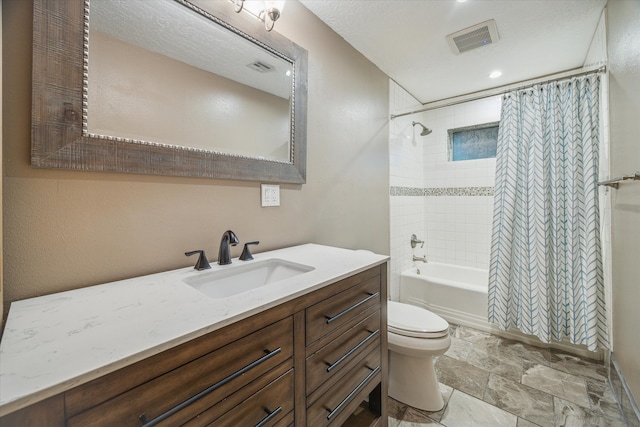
(441, 191)
(406, 191)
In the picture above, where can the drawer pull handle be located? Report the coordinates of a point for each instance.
(353, 307)
(270, 415)
(331, 366)
(353, 393)
(206, 391)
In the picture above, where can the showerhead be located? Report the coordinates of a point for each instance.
(425, 130)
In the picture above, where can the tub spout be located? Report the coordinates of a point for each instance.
(420, 258)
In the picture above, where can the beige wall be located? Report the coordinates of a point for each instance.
(624, 63)
(1, 171)
(66, 229)
(160, 99)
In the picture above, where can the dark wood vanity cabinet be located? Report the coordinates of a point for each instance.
(343, 352)
(318, 360)
(203, 383)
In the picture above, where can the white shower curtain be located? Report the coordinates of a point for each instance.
(546, 274)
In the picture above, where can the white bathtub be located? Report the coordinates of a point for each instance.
(458, 294)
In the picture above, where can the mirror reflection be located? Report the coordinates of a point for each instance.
(159, 72)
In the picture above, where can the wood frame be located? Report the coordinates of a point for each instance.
(58, 139)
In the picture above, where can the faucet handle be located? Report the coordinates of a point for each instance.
(202, 263)
(415, 240)
(246, 253)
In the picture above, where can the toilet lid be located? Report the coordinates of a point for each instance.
(412, 321)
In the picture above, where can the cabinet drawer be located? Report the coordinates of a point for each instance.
(344, 352)
(339, 401)
(273, 405)
(220, 373)
(207, 414)
(326, 316)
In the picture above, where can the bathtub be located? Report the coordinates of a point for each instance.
(459, 295)
(456, 293)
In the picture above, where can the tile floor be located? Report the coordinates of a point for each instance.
(491, 381)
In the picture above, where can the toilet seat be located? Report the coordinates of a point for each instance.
(411, 321)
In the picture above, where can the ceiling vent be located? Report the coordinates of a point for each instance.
(260, 66)
(482, 34)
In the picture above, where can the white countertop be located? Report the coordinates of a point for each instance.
(55, 342)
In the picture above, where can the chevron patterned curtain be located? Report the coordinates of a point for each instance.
(546, 274)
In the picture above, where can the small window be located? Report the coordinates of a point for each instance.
(473, 142)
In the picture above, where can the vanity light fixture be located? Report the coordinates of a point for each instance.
(239, 4)
(267, 11)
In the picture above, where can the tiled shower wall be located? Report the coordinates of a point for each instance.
(406, 148)
(459, 195)
(447, 204)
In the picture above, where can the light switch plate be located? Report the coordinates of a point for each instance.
(270, 195)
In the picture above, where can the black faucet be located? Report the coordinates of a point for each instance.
(224, 254)
(246, 253)
(202, 263)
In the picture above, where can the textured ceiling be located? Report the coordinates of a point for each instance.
(170, 29)
(406, 39)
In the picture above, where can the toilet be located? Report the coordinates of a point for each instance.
(416, 336)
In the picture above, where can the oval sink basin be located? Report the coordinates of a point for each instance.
(237, 279)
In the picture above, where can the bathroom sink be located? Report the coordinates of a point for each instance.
(236, 279)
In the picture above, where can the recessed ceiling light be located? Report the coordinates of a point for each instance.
(495, 74)
(461, 1)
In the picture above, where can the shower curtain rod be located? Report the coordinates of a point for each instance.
(501, 90)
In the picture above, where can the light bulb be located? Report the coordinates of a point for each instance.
(274, 4)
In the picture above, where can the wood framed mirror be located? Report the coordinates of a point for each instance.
(144, 119)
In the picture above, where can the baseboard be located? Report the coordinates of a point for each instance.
(623, 395)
